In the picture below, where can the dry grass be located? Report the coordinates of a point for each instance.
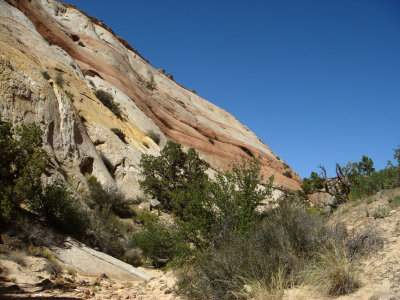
(42, 252)
(333, 273)
(17, 256)
(52, 266)
(381, 212)
(3, 271)
(266, 288)
(71, 271)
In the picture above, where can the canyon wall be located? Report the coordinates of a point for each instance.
(46, 37)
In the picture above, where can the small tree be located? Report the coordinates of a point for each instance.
(339, 186)
(22, 162)
(237, 194)
(168, 177)
(204, 208)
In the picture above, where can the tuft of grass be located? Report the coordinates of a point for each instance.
(69, 95)
(394, 202)
(59, 80)
(369, 200)
(334, 273)
(45, 75)
(118, 132)
(364, 243)
(53, 268)
(151, 85)
(144, 217)
(154, 136)
(266, 288)
(71, 271)
(133, 257)
(42, 252)
(381, 212)
(108, 100)
(3, 271)
(17, 256)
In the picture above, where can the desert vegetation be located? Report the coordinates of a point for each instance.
(108, 100)
(154, 136)
(118, 132)
(233, 245)
(220, 239)
(355, 180)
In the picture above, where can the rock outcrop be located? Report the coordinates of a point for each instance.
(42, 41)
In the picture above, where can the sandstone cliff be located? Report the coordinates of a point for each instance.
(40, 36)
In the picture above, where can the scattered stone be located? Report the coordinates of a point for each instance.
(46, 284)
(15, 288)
(168, 291)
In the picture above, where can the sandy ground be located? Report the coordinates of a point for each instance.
(32, 281)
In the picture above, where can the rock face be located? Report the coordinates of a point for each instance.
(95, 263)
(40, 36)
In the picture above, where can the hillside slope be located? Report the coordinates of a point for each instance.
(41, 36)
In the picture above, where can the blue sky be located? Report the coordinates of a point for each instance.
(317, 81)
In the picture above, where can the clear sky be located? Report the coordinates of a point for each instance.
(317, 81)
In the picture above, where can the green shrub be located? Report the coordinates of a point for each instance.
(61, 209)
(163, 178)
(154, 136)
(69, 95)
(45, 75)
(22, 162)
(363, 186)
(394, 202)
(106, 232)
(237, 194)
(59, 80)
(108, 100)
(381, 212)
(288, 174)
(286, 239)
(151, 85)
(205, 209)
(144, 217)
(160, 242)
(71, 271)
(110, 200)
(118, 132)
(81, 44)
